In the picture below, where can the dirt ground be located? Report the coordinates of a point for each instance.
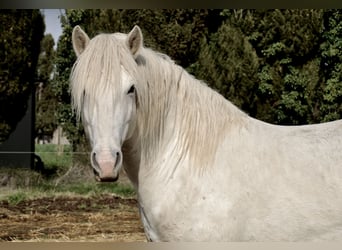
(98, 218)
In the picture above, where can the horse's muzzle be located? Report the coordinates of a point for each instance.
(106, 166)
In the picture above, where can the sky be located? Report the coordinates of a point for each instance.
(52, 23)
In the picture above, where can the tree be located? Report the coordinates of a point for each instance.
(178, 33)
(230, 65)
(21, 33)
(286, 43)
(331, 65)
(60, 83)
(292, 56)
(46, 102)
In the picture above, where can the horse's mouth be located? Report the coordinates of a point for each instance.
(105, 179)
(112, 179)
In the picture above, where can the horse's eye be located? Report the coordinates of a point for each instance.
(131, 90)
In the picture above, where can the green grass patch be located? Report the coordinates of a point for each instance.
(92, 188)
(63, 179)
(54, 156)
(17, 197)
(48, 189)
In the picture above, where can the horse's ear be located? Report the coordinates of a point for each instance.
(80, 40)
(135, 40)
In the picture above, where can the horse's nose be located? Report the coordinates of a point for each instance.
(106, 164)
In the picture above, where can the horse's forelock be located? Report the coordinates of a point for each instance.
(97, 69)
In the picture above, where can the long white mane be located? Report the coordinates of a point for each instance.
(169, 90)
(164, 89)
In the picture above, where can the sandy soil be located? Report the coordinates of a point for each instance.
(64, 218)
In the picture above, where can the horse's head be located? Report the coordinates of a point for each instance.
(104, 94)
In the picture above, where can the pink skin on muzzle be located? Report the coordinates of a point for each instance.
(106, 165)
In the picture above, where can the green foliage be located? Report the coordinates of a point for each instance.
(179, 32)
(280, 66)
(46, 59)
(96, 189)
(286, 43)
(46, 102)
(331, 65)
(300, 89)
(48, 188)
(230, 65)
(55, 156)
(65, 58)
(15, 198)
(289, 44)
(21, 33)
(279, 34)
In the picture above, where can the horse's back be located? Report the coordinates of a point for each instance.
(286, 180)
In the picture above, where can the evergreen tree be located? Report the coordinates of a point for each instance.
(45, 99)
(331, 65)
(287, 43)
(65, 59)
(230, 65)
(21, 33)
(178, 33)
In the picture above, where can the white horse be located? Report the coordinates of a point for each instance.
(203, 170)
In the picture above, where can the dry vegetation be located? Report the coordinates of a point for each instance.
(71, 207)
(66, 218)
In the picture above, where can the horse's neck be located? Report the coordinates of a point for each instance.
(187, 121)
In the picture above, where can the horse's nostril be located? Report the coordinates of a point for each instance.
(93, 159)
(118, 158)
(96, 173)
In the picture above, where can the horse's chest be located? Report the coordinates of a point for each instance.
(182, 218)
(160, 223)
(150, 231)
